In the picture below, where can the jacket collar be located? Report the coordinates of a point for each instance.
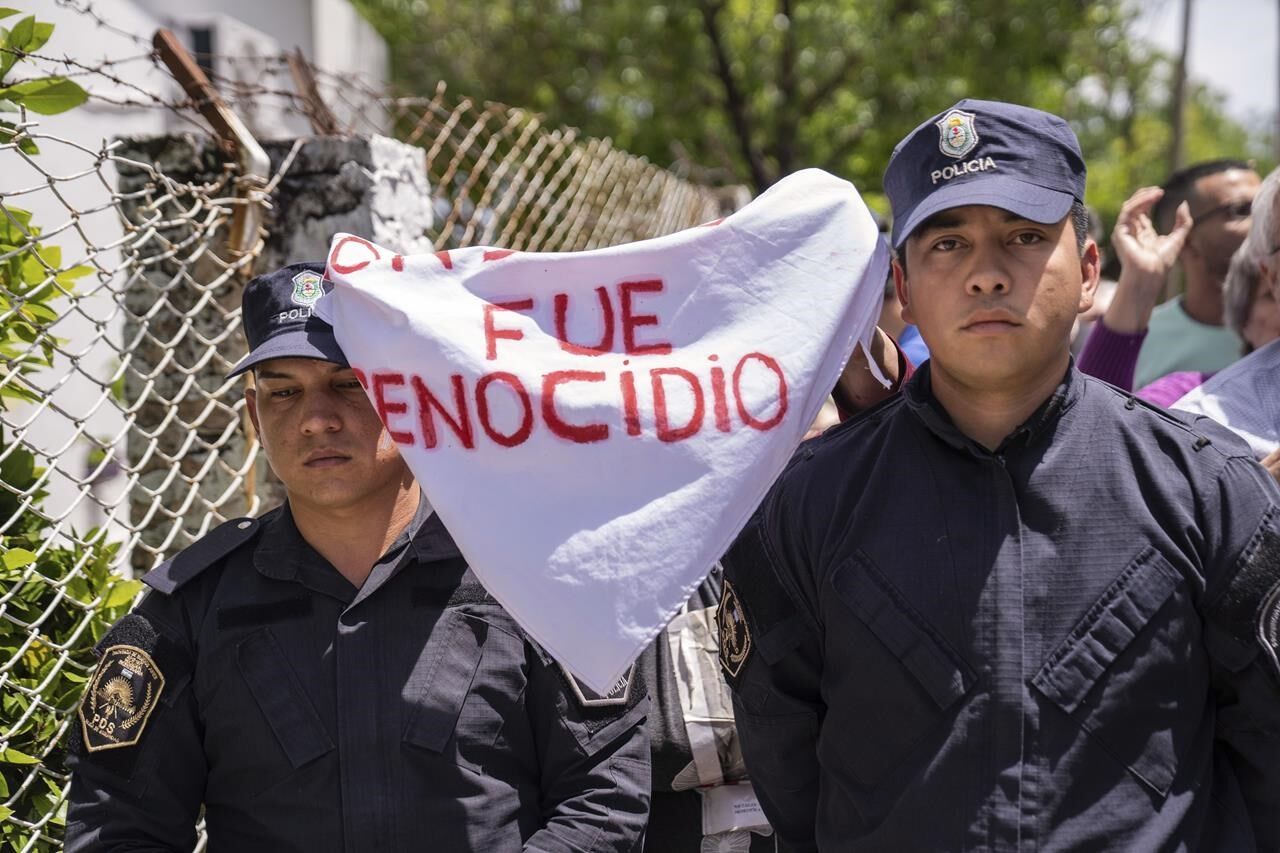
(283, 554)
(920, 401)
(429, 538)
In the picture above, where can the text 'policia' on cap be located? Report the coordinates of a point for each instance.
(985, 152)
(278, 321)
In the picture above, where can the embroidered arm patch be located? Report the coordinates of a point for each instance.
(734, 630)
(120, 698)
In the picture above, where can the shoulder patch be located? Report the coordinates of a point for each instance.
(734, 631)
(120, 698)
(172, 574)
(619, 696)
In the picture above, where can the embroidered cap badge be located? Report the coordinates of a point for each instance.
(307, 288)
(958, 136)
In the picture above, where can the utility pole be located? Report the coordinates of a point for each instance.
(1178, 111)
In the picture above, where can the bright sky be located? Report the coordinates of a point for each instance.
(1233, 48)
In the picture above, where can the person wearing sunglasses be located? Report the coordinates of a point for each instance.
(1197, 219)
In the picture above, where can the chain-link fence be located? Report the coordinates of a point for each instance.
(121, 266)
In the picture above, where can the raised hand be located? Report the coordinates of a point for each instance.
(1146, 257)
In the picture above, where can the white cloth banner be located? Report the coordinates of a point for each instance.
(595, 427)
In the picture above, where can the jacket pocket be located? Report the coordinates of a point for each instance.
(282, 699)
(909, 677)
(445, 712)
(784, 754)
(1122, 673)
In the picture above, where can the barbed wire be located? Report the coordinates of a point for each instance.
(85, 9)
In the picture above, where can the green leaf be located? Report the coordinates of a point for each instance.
(68, 275)
(24, 332)
(16, 214)
(39, 313)
(13, 756)
(26, 144)
(34, 272)
(17, 42)
(5, 11)
(22, 34)
(18, 392)
(42, 34)
(47, 95)
(122, 593)
(19, 469)
(16, 558)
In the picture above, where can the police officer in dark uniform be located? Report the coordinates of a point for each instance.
(1011, 608)
(332, 676)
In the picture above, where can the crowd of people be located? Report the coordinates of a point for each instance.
(1013, 601)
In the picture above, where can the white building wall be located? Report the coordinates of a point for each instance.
(345, 42)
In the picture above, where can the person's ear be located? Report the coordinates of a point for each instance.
(904, 291)
(251, 405)
(1090, 275)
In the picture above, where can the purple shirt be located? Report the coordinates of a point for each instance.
(1111, 356)
(1171, 388)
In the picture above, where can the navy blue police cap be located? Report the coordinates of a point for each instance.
(1019, 159)
(278, 319)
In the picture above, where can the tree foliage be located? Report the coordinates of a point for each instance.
(745, 91)
(57, 597)
(1120, 110)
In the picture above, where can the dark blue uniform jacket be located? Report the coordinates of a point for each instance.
(1049, 647)
(307, 715)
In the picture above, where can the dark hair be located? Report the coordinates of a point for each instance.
(1079, 216)
(1080, 222)
(1181, 186)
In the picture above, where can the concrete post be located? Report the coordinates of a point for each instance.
(188, 439)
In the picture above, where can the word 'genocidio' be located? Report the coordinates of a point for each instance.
(500, 405)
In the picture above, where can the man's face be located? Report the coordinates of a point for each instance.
(1219, 207)
(995, 295)
(323, 439)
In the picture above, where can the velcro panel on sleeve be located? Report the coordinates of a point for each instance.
(1269, 628)
(755, 610)
(1236, 609)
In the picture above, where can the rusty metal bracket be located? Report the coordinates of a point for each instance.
(250, 157)
(323, 121)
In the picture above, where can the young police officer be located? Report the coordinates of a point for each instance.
(1011, 608)
(332, 676)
